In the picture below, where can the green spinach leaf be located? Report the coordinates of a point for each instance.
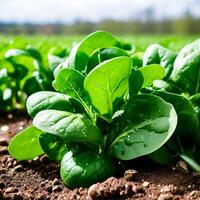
(107, 83)
(151, 122)
(26, 145)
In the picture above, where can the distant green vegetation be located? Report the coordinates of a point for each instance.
(175, 42)
(141, 41)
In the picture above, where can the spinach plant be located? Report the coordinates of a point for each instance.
(181, 89)
(184, 143)
(97, 115)
(186, 72)
(40, 77)
(23, 72)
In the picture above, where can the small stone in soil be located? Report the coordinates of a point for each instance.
(168, 188)
(92, 190)
(130, 174)
(18, 168)
(192, 193)
(113, 187)
(11, 190)
(3, 149)
(10, 159)
(167, 196)
(145, 184)
(3, 141)
(21, 128)
(55, 182)
(15, 163)
(10, 116)
(4, 128)
(10, 164)
(56, 188)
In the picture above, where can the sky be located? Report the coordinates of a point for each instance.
(68, 11)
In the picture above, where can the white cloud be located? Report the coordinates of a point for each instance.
(93, 10)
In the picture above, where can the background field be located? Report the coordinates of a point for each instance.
(44, 43)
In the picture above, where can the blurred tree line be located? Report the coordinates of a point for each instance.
(185, 25)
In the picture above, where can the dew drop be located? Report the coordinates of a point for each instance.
(129, 140)
(145, 145)
(160, 125)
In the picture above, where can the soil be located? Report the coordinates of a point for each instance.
(39, 179)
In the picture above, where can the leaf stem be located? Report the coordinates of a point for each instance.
(91, 115)
(191, 162)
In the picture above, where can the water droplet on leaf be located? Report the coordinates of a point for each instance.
(160, 125)
(145, 145)
(129, 140)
